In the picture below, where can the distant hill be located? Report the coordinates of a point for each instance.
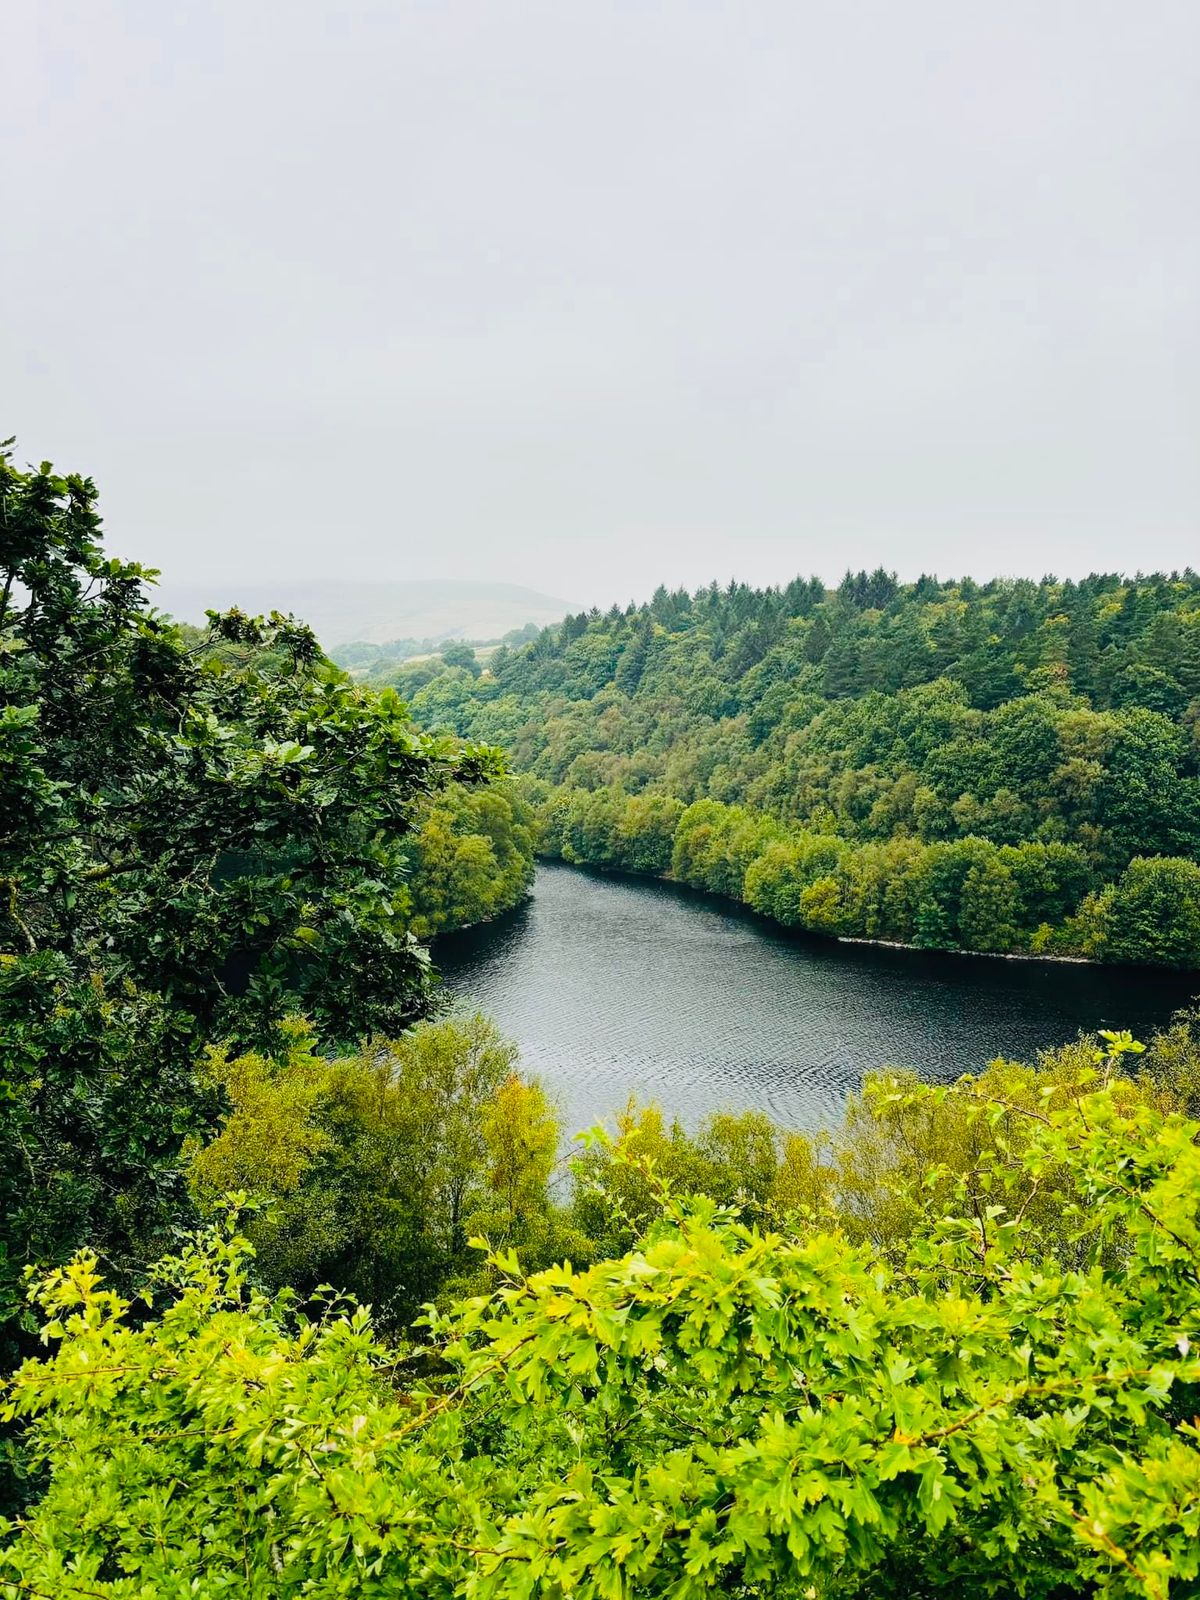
(340, 611)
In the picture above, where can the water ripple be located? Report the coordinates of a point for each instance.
(615, 986)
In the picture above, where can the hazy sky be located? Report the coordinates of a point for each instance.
(591, 295)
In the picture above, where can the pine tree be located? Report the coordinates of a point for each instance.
(817, 641)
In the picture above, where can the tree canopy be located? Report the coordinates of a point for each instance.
(200, 838)
(1009, 766)
(1004, 1411)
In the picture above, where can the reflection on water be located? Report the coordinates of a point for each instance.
(615, 986)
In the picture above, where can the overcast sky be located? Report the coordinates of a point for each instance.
(589, 296)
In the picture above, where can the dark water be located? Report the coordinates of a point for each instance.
(615, 986)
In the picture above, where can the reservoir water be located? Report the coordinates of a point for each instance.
(616, 986)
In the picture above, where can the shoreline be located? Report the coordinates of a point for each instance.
(783, 929)
(957, 950)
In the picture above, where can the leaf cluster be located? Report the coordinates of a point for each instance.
(723, 1409)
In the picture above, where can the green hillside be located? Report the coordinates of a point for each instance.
(1008, 766)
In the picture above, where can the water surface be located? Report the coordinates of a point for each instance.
(615, 986)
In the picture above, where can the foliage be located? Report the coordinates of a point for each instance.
(520, 1132)
(916, 732)
(372, 1171)
(97, 1092)
(458, 654)
(721, 1410)
(470, 857)
(967, 893)
(224, 838)
(1152, 913)
(199, 837)
(734, 1159)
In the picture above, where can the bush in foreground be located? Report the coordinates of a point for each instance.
(722, 1410)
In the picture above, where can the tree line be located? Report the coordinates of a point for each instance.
(962, 894)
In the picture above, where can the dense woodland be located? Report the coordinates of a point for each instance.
(1010, 766)
(299, 1295)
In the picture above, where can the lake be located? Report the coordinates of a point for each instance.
(615, 986)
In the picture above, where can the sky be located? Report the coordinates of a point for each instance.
(592, 296)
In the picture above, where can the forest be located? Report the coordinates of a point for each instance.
(1008, 766)
(301, 1292)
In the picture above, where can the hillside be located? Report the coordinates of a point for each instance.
(1009, 766)
(341, 611)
